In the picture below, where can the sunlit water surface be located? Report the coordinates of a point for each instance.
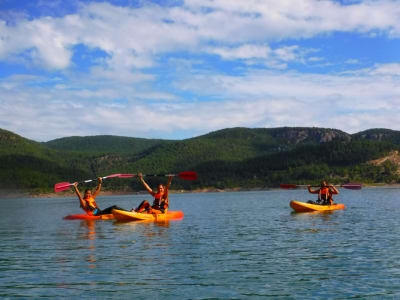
(243, 245)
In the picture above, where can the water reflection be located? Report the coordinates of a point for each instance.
(90, 235)
(164, 223)
(236, 254)
(324, 215)
(315, 222)
(147, 234)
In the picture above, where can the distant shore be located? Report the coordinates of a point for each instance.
(115, 193)
(70, 193)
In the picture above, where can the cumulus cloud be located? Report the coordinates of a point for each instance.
(386, 69)
(153, 79)
(263, 54)
(134, 36)
(243, 52)
(255, 99)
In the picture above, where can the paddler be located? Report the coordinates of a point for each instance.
(325, 193)
(88, 203)
(160, 203)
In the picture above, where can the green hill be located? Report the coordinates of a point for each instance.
(234, 144)
(228, 158)
(30, 166)
(104, 144)
(335, 161)
(380, 135)
(11, 143)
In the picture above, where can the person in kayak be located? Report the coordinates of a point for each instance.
(325, 193)
(160, 203)
(88, 203)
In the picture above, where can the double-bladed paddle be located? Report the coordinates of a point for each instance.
(350, 186)
(62, 186)
(188, 175)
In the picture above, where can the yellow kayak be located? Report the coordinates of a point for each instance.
(122, 215)
(308, 207)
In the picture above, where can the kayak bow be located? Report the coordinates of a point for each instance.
(87, 217)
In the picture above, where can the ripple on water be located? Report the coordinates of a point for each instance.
(228, 246)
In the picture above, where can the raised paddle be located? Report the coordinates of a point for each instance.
(62, 186)
(350, 186)
(188, 175)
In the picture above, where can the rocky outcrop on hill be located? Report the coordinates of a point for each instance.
(297, 135)
(391, 161)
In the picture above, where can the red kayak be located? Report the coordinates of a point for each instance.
(87, 217)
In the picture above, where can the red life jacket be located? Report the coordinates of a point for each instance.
(325, 194)
(160, 200)
(90, 205)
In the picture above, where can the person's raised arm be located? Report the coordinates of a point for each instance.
(79, 194)
(334, 190)
(169, 183)
(312, 191)
(100, 180)
(167, 187)
(145, 184)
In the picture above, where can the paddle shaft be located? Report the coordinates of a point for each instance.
(188, 175)
(351, 186)
(58, 187)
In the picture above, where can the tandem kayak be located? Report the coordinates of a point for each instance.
(87, 217)
(308, 207)
(122, 215)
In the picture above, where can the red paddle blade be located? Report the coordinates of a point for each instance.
(62, 186)
(189, 175)
(352, 186)
(288, 186)
(126, 175)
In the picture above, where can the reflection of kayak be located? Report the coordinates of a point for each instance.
(87, 217)
(122, 215)
(304, 207)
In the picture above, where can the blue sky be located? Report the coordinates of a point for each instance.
(178, 69)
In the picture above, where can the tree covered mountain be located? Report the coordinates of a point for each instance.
(380, 135)
(228, 158)
(104, 144)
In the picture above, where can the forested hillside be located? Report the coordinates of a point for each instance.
(104, 144)
(228, 158)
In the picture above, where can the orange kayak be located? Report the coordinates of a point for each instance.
(122, 215)
(308, 207)
(87, 217)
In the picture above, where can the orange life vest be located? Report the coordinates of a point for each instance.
(160, 200)
(90, 205)
(325, 194)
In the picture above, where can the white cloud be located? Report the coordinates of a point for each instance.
(387, 69)
(299, 18)
(242, 52)
(256, 99)
(120, 93)
(262, 54)
(134, 36)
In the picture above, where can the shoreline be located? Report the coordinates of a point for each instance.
(116, 193)
(11, 194)
(70, 193)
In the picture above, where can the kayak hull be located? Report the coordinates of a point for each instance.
(308, 207)
(87, 217)
(122, 215)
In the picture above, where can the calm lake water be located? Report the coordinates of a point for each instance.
(243, 245)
